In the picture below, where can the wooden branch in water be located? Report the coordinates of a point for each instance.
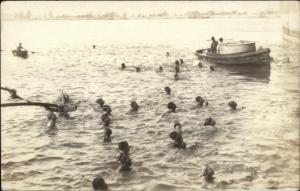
(29, 104)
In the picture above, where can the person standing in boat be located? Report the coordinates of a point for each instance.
(20, 48)
(220, 45)
(214, 45)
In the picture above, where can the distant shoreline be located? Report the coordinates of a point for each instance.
(145, 18)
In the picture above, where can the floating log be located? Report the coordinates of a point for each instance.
(29, 104)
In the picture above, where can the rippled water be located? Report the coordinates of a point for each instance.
(255, 147)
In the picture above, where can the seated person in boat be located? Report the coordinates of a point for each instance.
(214, 45)
(20, 48)
(219, 45)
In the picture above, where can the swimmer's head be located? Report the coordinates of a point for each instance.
(138, 69)
(107, 109)
(124, 146)
(199, 100)
(200, 65)
(123, 66)
(232, 105)
(174, 135)
(171, 106)
(181, 61)
(177, 63)
(168, 90)
(160, 69)
(134, 106)
(99, 184)
(209, 121)
(212, 68)
(167, 54)
(107, 132)
(100, 101)
(177, 126)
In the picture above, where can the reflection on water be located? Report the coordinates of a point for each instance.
(247, 149)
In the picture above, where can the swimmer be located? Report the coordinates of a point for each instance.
(123, 66)
(176, 76)
(105, 119)
(107, 134)
(177, 127)
(138, 69)
(178, 141)
(51, 123)
(167, 54)
(99, 184)
(177, 63)
(208, 173)
(94, 46)
(160, 69)
(100, 102)
(206, 103)
(199, 100)
(232, 105)
(209, 122)
(177, 70)
(212, 68)
(172, 107)
(181, 61)
(200, 65)
(124, 146)
(107, 109)
(125, 163)
(134, 106)
(168, 90)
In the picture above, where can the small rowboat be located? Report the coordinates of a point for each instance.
(236, 54)
(20, 53)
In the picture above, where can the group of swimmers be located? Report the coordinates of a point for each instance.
(124, 156)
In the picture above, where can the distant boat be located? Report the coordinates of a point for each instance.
(236, 53)
(20, 53)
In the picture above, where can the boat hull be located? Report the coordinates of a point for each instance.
(23, 54)
(261, 56)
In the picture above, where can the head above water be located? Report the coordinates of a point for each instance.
(167, 90)
(100, 101)
(20, 44)
(212, 68)
(213, 38)
(200, 65)
(167, 54)
(124, 146)
(172, 106)
(134, 106)
(123, 66)
(177, 125)
(221, 39)
(199, 100)
(176, 62)
(138, 69)
(181, 61)
(107, 109)
(174, 135)
(209, 121)
(232, 105)
(160, 69)
(99, 184)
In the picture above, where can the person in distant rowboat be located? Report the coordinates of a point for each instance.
(20, 48)
(214, 45)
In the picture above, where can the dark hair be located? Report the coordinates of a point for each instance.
(99, 184)
(100, 101)
(168, 90)
(172, 106)
(134, 105)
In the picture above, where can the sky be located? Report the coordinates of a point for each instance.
(133, 7)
